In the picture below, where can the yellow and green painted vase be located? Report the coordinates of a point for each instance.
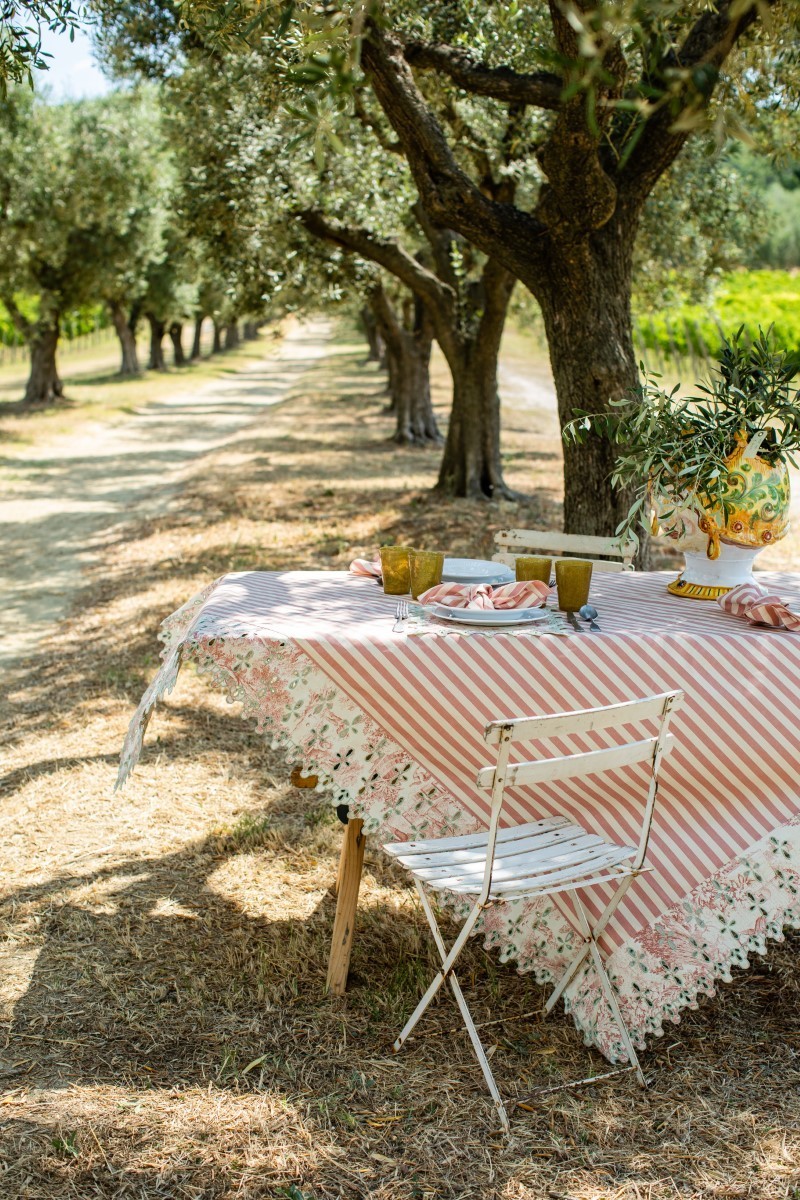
(720, 539)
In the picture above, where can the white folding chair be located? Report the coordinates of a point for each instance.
(607, 553)
(542, 858)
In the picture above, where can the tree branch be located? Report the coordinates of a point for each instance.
(450, 197)
(387, 252)
(21, 322)
(708, 44)
(539, 88)
(370, 122)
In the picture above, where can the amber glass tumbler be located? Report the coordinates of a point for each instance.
(531, 567)
(426, 570)
(395, 570)
(573, 580)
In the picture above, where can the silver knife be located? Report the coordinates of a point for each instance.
(573, 620)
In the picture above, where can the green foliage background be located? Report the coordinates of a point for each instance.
(750, 298)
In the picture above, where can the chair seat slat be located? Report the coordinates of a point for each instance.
(522, 862)
(468, 840)
(534, 881)
(539, 841)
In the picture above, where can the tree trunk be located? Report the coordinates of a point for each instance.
(587, 318)
(197, 338)
(157, 362)
(176, 337)
(410, 355)
(217, 343)
(369, 326)
(125, 331)
(471, 463)
(250, 331)
(232, 335)
(44, 385)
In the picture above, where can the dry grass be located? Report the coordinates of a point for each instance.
(164, 951)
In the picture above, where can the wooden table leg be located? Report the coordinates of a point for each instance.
(351, 863)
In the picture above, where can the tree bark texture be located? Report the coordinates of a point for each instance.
(410, 350)
(44, 385)
(232, 335)
(471, 463)
(176, 337)
(157, 329)
(197, 338)
(586, 310)
(126, 334)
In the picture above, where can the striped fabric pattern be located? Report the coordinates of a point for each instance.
(760, 606)
(525, 594)
(729, 790)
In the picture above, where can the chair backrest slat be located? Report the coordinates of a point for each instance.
(512, 542)
(569, 766)
(550, 725)
(656, 709)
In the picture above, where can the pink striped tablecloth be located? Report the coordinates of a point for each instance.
(392, 725)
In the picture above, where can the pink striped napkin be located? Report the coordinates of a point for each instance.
(366, 566)
(527, 594)
(759, 606)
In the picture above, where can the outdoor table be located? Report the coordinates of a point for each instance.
(392, 725)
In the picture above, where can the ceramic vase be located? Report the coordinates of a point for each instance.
(720, 540)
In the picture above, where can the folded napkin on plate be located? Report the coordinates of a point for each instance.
(527, 594)
(366, 566)
(754, 602)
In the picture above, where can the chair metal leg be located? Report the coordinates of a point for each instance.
(567, 978)
(590, 933)
(480, 1054)
(610, 995)
(448, 958)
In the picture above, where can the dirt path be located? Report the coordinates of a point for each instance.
(70, 498)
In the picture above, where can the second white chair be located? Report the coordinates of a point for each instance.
(544, 857)
(607, 553)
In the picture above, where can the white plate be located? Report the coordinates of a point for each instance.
(475, 570)
(488, 616)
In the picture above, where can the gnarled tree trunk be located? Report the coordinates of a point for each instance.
(471, 463)
(410, 355)
(176, 337)
(44, 385)
(216, 345)
(250, 331)
(585, 303)
(232, 334)
(157, 329)
(125, 329)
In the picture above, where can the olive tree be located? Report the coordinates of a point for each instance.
(80, 215)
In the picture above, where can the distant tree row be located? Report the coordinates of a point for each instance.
(93, 212)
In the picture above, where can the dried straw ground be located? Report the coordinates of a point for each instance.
(166, 1032)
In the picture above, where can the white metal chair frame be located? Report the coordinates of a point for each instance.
(511, 543)
(554, 856)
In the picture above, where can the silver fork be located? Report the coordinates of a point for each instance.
(401, 614)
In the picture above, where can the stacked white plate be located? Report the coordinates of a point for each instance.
(476, 570)
(497, 617)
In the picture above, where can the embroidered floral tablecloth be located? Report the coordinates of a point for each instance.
(392, 724)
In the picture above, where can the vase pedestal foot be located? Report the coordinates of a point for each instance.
(695, 591)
